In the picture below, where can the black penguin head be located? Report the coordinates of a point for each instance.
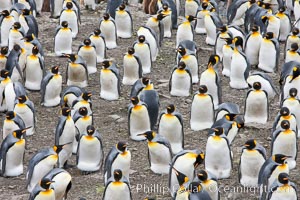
(54, 70)
(29, 37)
(105, 64)
(267, 6)
(212, 9)
(16, 48)
(190, 18)
(280, 158)
(218, 131)
(4, 73)
(86, 96)
(141, 38)
(295, 31)
(106, 16)
(83, 111)
(296, 73)
(195, 187)
(10, 115)
(87, 42)
(22, 99)
(135, 100)
(252, 1)
(285, 124)
(293, 92)
(4, 50)
(148, 134)
(181, 178)
(199, 159)
(181, 50)
(26, 12)
(64, 24)
(165, 6)
(17, 25)
(121, 146)
(269, 35)
(222, 29)
(213, 60)
(181, 65)
(257, 85)
(202, 89)
(228, 40)
(66, 111)
(5, 13)
(58, 148)
(18, 133)
(117, 175)
(281, 9)
(146, 80)
(230, 116)
(204, 5)
(69, 5)
(72, 57)
(250, 144)
(170, 108)
(202, 175)
(45, 183)
(122, 6)
(294, 47)
(35, 50)
(255, 28)
(238, 41)
(131, 50)
(90, 130)
(284, 111)
(283, 178)
(160, 16)
(97, 31)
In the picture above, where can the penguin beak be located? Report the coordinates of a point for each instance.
(24, 130)
(141, 134)
(175, 170)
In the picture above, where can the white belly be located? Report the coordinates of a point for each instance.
(121, 191)
(122, 162)
(27, 116)
(108, 29)
(167, 21)
(71, 18)
(100, 47)
(8, 127)
(190, 8)
(53, 90)
(5, 27)
(77, 75)
(192, 63)
(63, 42)
(15, 37)
(227, 53)
(184, 33)
(144, 53)
(200, 26)
(256, 108)
(123, 25)
(252, 49)
(211, 30)
(131, 70)
(109, 86)
(60, 185)
(159, 158)
(267, 55)
(152, 42)
(238, 67)
(14, 159)
(139, 123)
(34, 74)
(90, 57)
(284, 193)
(180, 84)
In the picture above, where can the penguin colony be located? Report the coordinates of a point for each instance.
(245, 57)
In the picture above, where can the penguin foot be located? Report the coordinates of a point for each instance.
(87, 172)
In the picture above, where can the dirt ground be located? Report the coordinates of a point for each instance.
(110, 118)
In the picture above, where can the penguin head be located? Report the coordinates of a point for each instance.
(18, 133)
(202, 175)
(22, 99)
(17, 25)
(252, 1)
(106, 16)
(284, 111)
(199, 159)
(5, 13)
(204, 5)
(54, 70)
(69, 5)
(222, 29)
(130, 50)
(281, 9)
(269, 35)
(10, 115)
(87, 42)
(122, 146)
(86, 96)
(230, 116)
(264, 18)
(4, 50)
(260, 3)
(35, 50)
(181, 50)
(194, 187)
(72, 57)
(29, 37)
(181, 65)
(122, 6)
(66, 111)
(293, 92)
(283, 178)
(58, 148)
(146, 81)
(105, 64)
(296, 73)
(295, 31)
(170, 108)
(97, 31)
(160, 16)
(267, 6)
(218, 131)
(294, 47)
(190, 18)
(213, 60)
(141, 38)
(165, 6)
(250, 144)
(280, 158)
(212, 10)
(90, 129)
(202, 89)
(16, 48)
(181, 178)
(135, 100)
(238, 41)
(148, 134)
(45, 183)
(254, 28)
(117, 175)
(64, 24)
(285, 124)
(256, 85)
(4, 73)
(26, 12)
(83, 111)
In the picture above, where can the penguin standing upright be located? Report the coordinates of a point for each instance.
(252, 158)
(90, 155)
(63, 39)
(25, 109)
(285, 114)
(143, 51)
(77, 72)
(13, 90)
(84, 100)
(171, 127)
(284, 141)
(109, 31)
(185, 30)
(119, 157)
(285, 24)
(199, 25)
(34, 70)
(269, 53)
(29, 23)
(167, 20)
(88, 52)
(6, 22)
(117, 187)
(291, 79)
(236, 11)
(29, 42)
(98, 41)
(222, 35)
(252, 45)
(51, 88)
(210, 78)
(156, 24)
(202, 118)
(272, 24)
(15, 35)
(29, 4)
(151, 38)
(69, 15)
(138, 119)
(212, 21)
(55, 8)
(43, 190)
(218, 158)
(196, 191)
(292, 54)
(90, 4)
(11, 154)
(160, 154)
(3, 56)
(16, 63)
(293, 37)
(123, 22)
(4, 81)
(180, 83)
(132, 67)
(227, 52)
(209, 184)
(183, 183)
(110, 81)
(11, 123)
(190, 7)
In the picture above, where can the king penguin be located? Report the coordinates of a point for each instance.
(63, 39)
(11, 123)
(285, 114)
(293, 54)
(110, 81)
(98, 41)
(212, 21)
(123, 20)
(156, 24)
(227, 52)
(3, 56)
(293, 37)
(109, 31)
(143, 51)
(209, 184)
(180, 83)
(291, 76)
(13, 90)
(201, 12)
(252, 45)
(15, 35)
(132, 67)
(151, 38)
(55, 8)
(285, 23)
(70, 15)
(43, 190)
(185, 30)
(168, 20)
(6, 22)
(88, 52)
(77, 72)
(4, 81)
(15, 63)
